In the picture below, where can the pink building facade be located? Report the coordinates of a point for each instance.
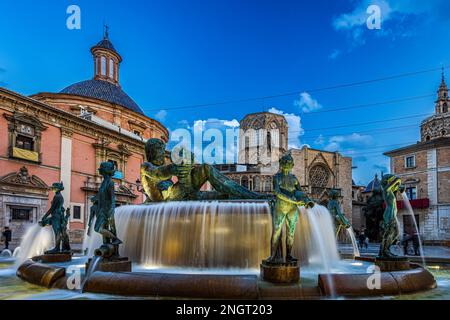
(64, 136)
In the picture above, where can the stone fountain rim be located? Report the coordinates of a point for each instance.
(209, 286)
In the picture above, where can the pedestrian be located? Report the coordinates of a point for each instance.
(416, 243)
(366, 243)
(362, 239)
(405, 242)
(6, 235)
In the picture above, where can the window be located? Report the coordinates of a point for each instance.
(138, 133)
(410, 162)
(269, 144)
(319, 176)
(21, 214)
(23, 142)
(103, 66)
(244, 182)
(445, 108)
(76, 215)
(118, 174)
(247, 150)
(267, 186)
(411, 192)
(111, 68)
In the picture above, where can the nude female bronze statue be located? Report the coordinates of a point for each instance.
(390, 185)
(340, 220)
(104, 204)
(56, 217)
(285, 210)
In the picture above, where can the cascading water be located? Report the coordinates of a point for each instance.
(92, 242)
(410, 211)
(216, 235)
(198, 234)
(351, 235)
(35, 242)
(6, 253)
(92, 268)
(320, 238)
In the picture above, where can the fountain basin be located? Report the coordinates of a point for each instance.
(394, 283)
(39, 273)
(229, 286)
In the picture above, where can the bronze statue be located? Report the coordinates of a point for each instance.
(157, 181)
(285, 209)
(390, 185)
(56, 218)
(341, 221)
(104, 204)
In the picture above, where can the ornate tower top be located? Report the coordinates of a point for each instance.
(263, 138)
(438, 125)
(443, 99)
(106, 60)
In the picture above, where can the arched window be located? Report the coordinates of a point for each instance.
(256, 184)
(244, 182)
(319, 176)
(103, 66)
(269, 144)
(267, 185)
(445, 108)
(247, 150)
(111, 68)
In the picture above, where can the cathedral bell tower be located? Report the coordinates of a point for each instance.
(443, 101)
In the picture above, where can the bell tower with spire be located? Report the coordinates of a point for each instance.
(438, 125)
(106, 60)
(443, 101)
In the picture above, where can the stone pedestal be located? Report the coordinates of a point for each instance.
(118, 264)
(54, 257)
(287, 273)
(392, 264)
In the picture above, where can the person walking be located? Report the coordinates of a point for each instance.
(405, 242)
(7, 236)
(362, 239)
(416, 243)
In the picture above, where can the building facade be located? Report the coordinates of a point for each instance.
(64, 136)
(358, 205)
(425, 171)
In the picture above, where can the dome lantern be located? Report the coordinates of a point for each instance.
(106, 60)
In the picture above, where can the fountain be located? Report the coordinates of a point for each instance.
(410, 211)
(193, 244)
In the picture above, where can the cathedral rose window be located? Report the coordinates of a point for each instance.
(319, 176)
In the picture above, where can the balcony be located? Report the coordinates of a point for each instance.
(415, 204)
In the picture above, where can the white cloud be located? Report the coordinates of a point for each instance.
(320, 140)
(295, 130)
(334, 54)
(306, 103)
(161, 115)
(345, 143)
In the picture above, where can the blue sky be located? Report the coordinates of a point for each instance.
(183, 53)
